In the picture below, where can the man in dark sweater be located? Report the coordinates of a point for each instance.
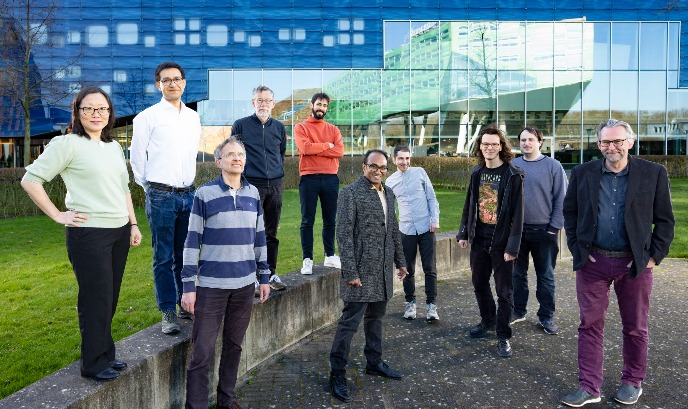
(492, 222)
(265, 140)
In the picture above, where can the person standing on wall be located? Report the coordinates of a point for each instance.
(224, 248)
(545, 186)
(265, 140)
(164, 148)
(100, 221)
(419, 219)
(320, 147)
(492, 222)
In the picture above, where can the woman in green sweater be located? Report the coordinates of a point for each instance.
(100, 221)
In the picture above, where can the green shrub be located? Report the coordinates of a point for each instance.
(445, 172)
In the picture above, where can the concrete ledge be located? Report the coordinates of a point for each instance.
(156, 374)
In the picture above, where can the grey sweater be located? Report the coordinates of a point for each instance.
(544, 189)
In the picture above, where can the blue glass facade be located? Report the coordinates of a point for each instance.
(117, 45)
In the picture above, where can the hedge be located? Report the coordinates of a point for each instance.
(445, 172)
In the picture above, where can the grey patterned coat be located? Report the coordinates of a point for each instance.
(368, 251)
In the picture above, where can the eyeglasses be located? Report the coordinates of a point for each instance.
(104, 111)
(490, 145)
(261, 101)
(373, 167)
(168, 81)
(240, 155)
(617, 142)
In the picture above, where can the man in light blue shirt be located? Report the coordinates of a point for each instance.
(419, 219)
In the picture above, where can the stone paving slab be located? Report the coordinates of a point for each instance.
(444, 368)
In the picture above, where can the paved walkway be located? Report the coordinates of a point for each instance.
(445, 368)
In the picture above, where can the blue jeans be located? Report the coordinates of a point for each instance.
(168, 216)
(544, 248)
(312, 187)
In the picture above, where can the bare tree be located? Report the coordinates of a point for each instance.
(132, 93)
(25, 27)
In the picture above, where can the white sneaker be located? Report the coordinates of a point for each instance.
(410, 313)
(276, 284)
(307, 268)
(431, 312)
(333, 261)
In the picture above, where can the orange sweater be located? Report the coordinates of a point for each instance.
(313, 137)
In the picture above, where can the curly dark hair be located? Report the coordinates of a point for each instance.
(505, 154)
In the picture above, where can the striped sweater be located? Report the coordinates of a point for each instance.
(225, 244)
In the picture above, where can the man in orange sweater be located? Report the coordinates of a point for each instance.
(320, 147)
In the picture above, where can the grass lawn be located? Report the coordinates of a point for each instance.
(39, 331)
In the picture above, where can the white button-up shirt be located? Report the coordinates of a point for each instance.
(165, 145)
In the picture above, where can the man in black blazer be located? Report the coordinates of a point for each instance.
(619, 224)
(369, 246)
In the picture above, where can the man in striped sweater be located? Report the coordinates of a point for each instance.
(224, 248)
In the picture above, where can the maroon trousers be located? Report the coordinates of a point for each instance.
(593, 283)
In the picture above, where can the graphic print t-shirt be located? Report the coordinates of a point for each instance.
(488, 195)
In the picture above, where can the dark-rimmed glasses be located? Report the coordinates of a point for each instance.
(617, 142)
(373, 167)
(104, 111)
(168, 81)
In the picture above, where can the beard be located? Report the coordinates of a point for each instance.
(318, 114)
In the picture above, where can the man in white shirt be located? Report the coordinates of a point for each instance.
(163, 158)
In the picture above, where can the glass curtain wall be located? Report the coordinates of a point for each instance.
(443, 81)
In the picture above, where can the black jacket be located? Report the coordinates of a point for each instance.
(265, 145)
(648, 203)
(369, 247)
(507, 234)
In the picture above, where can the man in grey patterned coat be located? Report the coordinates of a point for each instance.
(370, 246)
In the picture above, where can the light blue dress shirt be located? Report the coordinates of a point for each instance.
(418, 206)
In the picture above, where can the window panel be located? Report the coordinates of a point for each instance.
(424, 45)
(651, 109)
(624, 46)
(539, 46)
(653, 46)
(511, 46)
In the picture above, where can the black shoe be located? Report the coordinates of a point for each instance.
(382, 369)
(107, 375)
(339, 389)
(504, 348)
(118, 365)
(480, 330)
(184, 314)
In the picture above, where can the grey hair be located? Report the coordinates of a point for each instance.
(613, 123)
(261, 88)
(232, 139)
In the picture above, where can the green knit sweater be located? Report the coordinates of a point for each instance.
(95, 174)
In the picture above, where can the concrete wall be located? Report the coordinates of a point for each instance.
(157, 363)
